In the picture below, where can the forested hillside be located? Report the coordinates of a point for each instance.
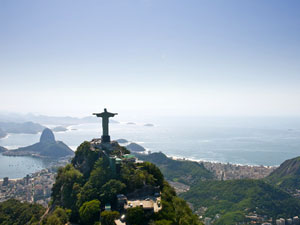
(233, 199)
(183, 171)
(15, 212)
(87, 186)
(287, 175)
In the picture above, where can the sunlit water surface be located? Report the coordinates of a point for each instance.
(256, 141)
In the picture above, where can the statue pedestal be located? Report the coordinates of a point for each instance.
(105, 139)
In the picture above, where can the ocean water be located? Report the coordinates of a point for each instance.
(19, 167)
(252, 141)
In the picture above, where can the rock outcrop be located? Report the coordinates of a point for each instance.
(59, 129)
(47, 136)
(47, 147)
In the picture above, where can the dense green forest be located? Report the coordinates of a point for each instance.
(186, 172)
(233, 199)
(14, 212)
(85, 186)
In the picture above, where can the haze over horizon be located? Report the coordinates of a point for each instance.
(150, 57)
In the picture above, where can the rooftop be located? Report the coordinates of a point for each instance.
(150, 203)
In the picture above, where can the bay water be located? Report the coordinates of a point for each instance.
(253, 141)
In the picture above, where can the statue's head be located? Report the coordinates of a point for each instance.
(105, 110)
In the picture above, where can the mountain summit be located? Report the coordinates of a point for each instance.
(105, 179)
(47, 147)
(47, 136)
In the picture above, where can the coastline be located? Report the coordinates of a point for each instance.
(217, 162)
(232, 171)
(15, 170)
(162, 138)
(218, 168)
(5, 137)
(182, 158)
(228, 171)
(12, 179)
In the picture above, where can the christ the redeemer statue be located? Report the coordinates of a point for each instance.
(105, 120)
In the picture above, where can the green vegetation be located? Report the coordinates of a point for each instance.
(186, 172)
(231, 217)
(89, 212)
(287, 176)
(67, 187)
(14, 212)
(58, 217)
(233, 199)
(108, 217)
(174, 209)
(85, 158)
(135, 216)
(91, 181)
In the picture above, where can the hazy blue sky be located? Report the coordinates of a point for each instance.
(71, 57)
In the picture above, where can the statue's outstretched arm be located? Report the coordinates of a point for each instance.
(98, 114)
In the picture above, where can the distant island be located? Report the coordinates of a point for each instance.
(122, 141)
(59, 129)
(43, 119)
(123, 184)
(47, 147)
(19, 128)
(2, 149)
(135, 147)
(148, 125)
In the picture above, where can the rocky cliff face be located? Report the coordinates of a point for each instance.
(47, 136)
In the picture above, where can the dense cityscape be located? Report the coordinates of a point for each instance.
(35, 187)
(227, 171)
